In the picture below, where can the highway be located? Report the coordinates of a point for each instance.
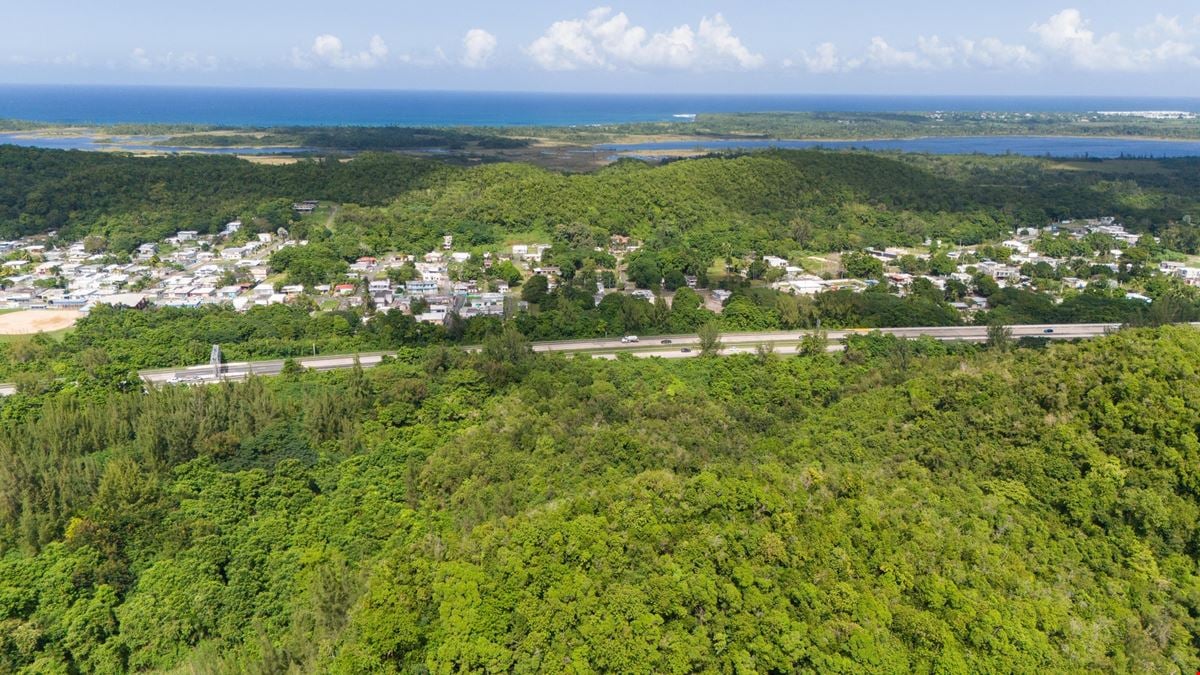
(240, 370)
(662, 346)
(949, 333)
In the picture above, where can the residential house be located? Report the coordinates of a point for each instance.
(484, 304)
(421, 287)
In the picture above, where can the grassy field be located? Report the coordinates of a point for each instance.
(1114, 166)
(528, 237)
(56, 335)
(828, 263)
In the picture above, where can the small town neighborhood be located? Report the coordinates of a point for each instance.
(190, 269)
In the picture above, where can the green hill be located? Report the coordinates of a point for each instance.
(778, 200)
(901, 508)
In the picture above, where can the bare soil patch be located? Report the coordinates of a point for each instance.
(31, 321)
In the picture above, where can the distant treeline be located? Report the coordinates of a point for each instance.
(873, 125)
(351, 139)
(136, 199)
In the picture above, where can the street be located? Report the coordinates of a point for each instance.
(664, 346)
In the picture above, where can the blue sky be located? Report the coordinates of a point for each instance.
(772, 46)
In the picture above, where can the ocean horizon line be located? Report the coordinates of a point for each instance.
(606, 93)
(278, 107)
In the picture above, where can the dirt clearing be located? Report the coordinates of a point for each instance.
(32, 321)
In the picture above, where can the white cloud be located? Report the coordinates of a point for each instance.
(478, 47)
(717, 34)
(994, 54)
(1162, 44)
(1065, 38)
(823, 60)
(328, 51)
(1162, 28)
(1067, 33)
(140, 59)
(929, 53)
(882, 56)
(607, 40)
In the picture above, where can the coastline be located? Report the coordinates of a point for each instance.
(575, 152)
(103, 135)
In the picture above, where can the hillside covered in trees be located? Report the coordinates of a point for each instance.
(771, 201)
(903, 507)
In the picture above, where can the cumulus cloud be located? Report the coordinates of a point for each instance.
(1162, 28)
(992, 53)
(929, 53)
(606, 40)
(328, 51)
(1161, 44)
(1064, 39)
(883, 56)
(823, 60)
(478, 47)
(140, 59)
(717, 35)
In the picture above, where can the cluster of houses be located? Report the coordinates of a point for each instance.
(190, 269)
(1006, 273)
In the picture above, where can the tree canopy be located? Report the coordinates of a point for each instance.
(907, 506)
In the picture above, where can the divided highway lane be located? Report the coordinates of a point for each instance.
(664, 346)
(950, 333)
(240, 370)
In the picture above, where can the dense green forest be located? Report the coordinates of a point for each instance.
(901, 507)
(848, 125)
(351, 138)
(772, 202)
(791, 125)
(780, 202)
(135, 199)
